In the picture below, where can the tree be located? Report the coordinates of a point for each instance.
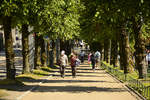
(7, 11)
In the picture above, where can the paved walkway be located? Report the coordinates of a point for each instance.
(88, 85)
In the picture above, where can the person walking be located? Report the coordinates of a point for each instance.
(97, 58)
(63, 63)
(82, 56)
(148, 58)
(93, 61)
(89, 58)
(73, 60)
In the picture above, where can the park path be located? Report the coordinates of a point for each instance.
(88, 85)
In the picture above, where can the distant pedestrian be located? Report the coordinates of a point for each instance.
(93, 61)
(148, 58)
(82, 54)
(89, 58)
(97, 58)
(63, 63)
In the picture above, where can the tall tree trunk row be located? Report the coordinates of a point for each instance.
(43, 51)
(139, 48)
(11, 71)
(114, 52)
(125, 50)
(107, 50)
(37, 58)
(25, 49)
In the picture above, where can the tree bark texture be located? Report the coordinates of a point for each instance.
(66, 45)
(43, 51)
(57, 50)
(107, 50)
(37, 58)
(139, 48)
(10, 67)
(51, 53)
(121, 49)
(125, 50)
(25, 49)
(114, 52)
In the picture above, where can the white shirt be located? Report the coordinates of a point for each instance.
(97, 54)
(64, 60)
(148, 57)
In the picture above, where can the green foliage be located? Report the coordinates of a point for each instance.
(146, 30)
(60, 19)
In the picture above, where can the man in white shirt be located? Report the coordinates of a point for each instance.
(63, 63)
(148, 58)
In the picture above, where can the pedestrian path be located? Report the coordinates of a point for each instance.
(88, 85)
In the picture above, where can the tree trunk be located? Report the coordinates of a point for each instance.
(43, 52)
(11, 71)
(107, 50)
(25, 49)
(125, 50)
(120, 48)
(139, 48)
(37, 58)
(57, 50)
(114, 52)
(51, 53)
(66, 46)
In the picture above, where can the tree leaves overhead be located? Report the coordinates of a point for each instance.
(103, 17)
(61, 19)
(55, 18)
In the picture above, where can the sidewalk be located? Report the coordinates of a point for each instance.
(88, 85)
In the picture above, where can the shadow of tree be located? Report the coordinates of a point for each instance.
(76, 89)
(73, 81)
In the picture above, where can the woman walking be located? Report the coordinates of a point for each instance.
(73, 61)
(93, 61)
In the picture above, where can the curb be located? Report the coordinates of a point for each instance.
(129, 89)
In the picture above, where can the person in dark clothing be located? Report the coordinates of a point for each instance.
(73, 64)
(82, 56)
(93, 61)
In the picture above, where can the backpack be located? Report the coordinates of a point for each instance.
(77, 63)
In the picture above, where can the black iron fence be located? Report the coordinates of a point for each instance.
(133, 83)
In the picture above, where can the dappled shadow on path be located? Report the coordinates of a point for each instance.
(68, 88)
(73, 81)
(76, 89)
(16, 87)
(54, 75)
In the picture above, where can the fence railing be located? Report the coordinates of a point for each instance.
(130, 81)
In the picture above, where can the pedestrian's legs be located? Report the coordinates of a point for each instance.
(62, 71)
(73, 71)
(93, 65)
(82, 59)
(148, 64)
